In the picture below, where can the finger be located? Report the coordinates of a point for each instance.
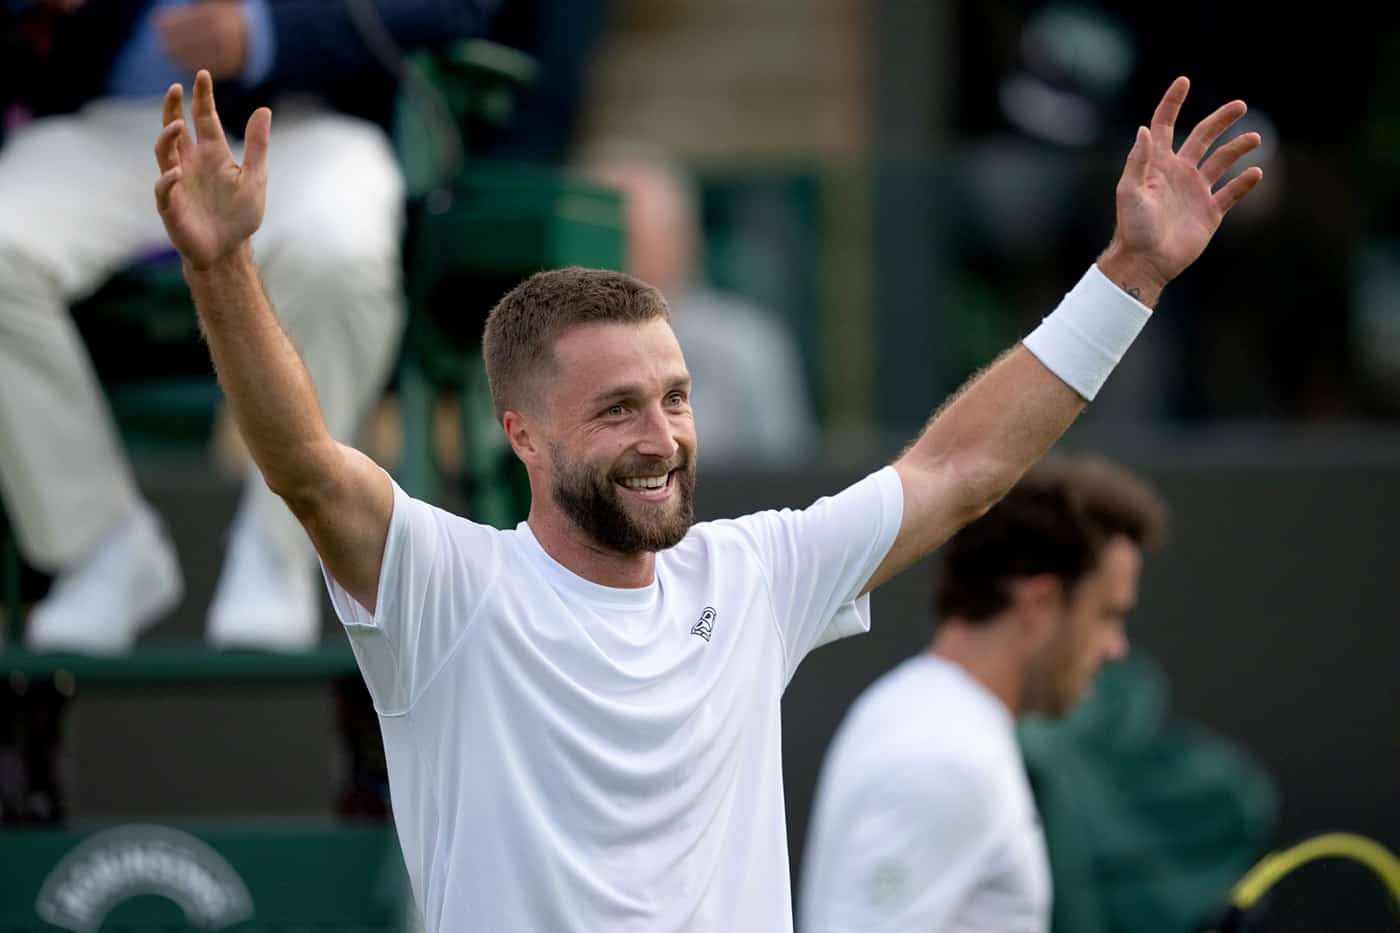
(168, 145)
(172, 111)
(1139, 157)
(1164, 117)
(173, 107)
(1230, 195)
(1227, 155)
(206, 118)
(165, 186)
(256, 139)
(1208, 131)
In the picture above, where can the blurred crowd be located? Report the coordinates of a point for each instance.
(1293, 314)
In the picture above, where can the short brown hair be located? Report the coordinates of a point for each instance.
(522, 327)
(1056, 520)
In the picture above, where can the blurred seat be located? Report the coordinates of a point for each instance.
(145, 342)
(474, 230)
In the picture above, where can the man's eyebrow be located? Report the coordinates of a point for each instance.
(612, 393)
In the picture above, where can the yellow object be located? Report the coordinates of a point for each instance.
(1263, 876)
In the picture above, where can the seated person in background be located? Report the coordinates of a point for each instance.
(76, 189)
(926, 821)
(749, 395)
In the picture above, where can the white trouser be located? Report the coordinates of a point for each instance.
(76, 205)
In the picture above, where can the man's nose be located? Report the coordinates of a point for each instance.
(658, 439)
(1117, 646)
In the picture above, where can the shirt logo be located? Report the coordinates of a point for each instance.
(885, 885)
(705, 625)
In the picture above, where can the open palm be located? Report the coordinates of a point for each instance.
(1167, 207)
(209, 203)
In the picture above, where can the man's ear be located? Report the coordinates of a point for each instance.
(523, 433)
(1038, 602)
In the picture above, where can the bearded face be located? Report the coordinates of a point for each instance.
(634, 505)
(617, 460)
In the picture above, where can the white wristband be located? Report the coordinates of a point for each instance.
(1086, 336)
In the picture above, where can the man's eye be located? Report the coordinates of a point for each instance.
(615, 411)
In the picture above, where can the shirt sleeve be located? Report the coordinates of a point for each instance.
(262, 42)
(436, 568)
(817, 560)
(908, 855)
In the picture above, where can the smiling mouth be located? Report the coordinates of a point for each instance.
(648, 487)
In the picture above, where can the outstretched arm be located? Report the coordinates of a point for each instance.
(211, 206)
(981, 442)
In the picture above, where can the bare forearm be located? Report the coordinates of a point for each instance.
(995, 428)
(268, 389)
(1008, 416)
(980, 443)
(974, 450)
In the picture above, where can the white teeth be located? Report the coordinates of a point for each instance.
(644, 482)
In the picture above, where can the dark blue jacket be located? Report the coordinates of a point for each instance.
(319, 49)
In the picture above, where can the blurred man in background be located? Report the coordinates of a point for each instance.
(749, 393)
(83, 81)
(924, 819)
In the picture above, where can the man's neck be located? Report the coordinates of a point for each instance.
(983, 652)
(578, 553)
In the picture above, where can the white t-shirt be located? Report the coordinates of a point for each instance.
(568, 756)
(924, 820)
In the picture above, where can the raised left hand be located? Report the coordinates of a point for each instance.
(210, 204)
(212, 36)
(1168, 207)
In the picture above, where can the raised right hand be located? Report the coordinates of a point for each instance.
(1168, 203)
(209, 203)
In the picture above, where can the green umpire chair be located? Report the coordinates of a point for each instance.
(469, 243)
(474, 231)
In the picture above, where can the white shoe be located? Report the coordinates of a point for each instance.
(121, 588)
(264, 600)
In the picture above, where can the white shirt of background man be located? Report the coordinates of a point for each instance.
(924, 819)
